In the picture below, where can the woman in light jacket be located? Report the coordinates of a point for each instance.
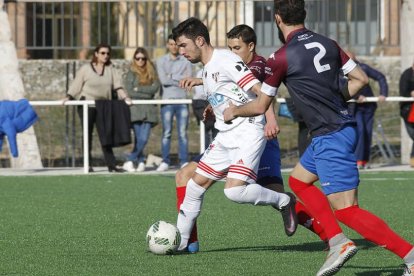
(96, 81)
(141, 83)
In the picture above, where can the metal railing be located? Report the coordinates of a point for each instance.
(385, 149)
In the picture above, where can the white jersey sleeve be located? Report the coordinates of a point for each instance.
(226, 78)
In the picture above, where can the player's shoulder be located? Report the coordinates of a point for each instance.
(225, 54)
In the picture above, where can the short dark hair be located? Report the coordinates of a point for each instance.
(292, 12)
(191, 28)
(246, 33)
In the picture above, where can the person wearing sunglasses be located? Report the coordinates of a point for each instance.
(98, 80)
(142, 83)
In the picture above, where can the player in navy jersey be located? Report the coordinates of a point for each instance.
(241, 40)
(226, 79)
(309, 65)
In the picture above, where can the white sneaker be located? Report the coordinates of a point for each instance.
(162, 167)
(141, 167)
(338, 255)
(128, 166)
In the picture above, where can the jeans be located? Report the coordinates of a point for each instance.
(180, 111)
(142, 132)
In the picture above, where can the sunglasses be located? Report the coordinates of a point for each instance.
(140, 58)
(105, 53)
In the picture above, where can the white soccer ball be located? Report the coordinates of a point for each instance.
(163, 238)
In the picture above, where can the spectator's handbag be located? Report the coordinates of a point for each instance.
(410, 117)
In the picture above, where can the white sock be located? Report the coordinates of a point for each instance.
(409, 258)
(257, 195)
(189, 211)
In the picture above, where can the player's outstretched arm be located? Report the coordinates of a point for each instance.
(356, 80)
(253, 108)
(188, 83)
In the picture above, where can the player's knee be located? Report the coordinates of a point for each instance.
(296, 185)
(183, 175)
(235, 193)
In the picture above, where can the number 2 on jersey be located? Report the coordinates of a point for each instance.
(317, 58)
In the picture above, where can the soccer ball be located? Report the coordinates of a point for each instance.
(163, 238)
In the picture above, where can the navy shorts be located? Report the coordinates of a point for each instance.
(270, 166)
(331, 157)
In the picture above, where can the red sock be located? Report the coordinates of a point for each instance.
(373, 229)
(307, 221)
(317, 205)
(180, 191)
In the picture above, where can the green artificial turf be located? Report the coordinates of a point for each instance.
(97, 224)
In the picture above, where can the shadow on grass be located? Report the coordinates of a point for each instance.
(305, 247)
(375, 271)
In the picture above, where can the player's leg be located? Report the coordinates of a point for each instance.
(182, 177)
(316, 162)
(191, 206)
(270, 176)
(369, 226)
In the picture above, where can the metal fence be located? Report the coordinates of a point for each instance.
(68, 29)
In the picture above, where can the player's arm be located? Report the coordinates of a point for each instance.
(189, 82)
(254, 108)
(356, 80)
(272, 127)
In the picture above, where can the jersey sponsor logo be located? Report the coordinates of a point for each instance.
(216, 99)
(304, 37)
(268, 71)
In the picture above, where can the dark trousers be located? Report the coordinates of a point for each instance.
(108, 153)
(365, 124)
(410, 130)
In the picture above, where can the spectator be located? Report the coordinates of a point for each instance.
(97, 81)
(141, 83)
(199, 105)
(171, 68)
(407, 90)
(364, 112)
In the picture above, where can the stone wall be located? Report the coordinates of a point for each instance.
(47, 79)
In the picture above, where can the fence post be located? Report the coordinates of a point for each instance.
(85, 139)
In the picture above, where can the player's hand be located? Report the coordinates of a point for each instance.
(381, 98)
(361, 99)
(188, 83)
(271, 129)
(208, 113)
(228, 113)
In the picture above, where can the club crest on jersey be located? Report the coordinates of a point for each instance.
(215, 76)
(210, 147)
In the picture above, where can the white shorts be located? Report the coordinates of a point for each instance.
(235, 153)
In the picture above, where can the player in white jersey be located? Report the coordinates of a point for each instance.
(236, 150)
